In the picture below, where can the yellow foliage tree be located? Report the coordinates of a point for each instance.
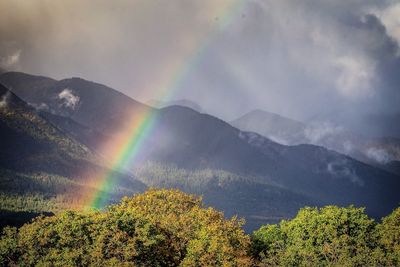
(157, 228)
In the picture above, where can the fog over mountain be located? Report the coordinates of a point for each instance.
(381, 152)
(335, 61)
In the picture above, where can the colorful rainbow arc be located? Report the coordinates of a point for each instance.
(143, 124)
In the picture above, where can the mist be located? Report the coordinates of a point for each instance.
(329, 61)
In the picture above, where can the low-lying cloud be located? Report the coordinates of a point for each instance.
(319, 131)
(342, 168)
(9, 60)
(4, 100)
(68, 98)
(379, 155)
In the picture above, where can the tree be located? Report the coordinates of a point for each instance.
(157, 228)
(389, 238)
(199, 236)
(330, 236)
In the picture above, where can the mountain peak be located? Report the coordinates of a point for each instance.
(267, 115)
(180, 102)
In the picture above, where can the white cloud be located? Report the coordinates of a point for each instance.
(348, 146)
(316, 132)
(10, 61)
(355, 76)
(41, 106)
(342, 168)
(69, 99)
(379, 155)
(390, 17)
(4, 100)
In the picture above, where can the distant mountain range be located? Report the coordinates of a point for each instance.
(381, 152)
(238, 171)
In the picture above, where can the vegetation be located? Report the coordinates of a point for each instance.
(157, 228)
(26, 121)
(330, 236)
(389, 237)
(255, 198)
(171, 228)
(170, 176)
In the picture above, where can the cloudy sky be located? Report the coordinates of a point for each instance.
(309, 60)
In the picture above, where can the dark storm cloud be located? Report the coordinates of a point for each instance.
(326, 60)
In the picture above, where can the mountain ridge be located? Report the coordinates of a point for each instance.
(376, 151)
(194, 141)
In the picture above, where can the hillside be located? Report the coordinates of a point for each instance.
(274, 179)
(278, 128)
(42, 169)
(90, 104)
(201, 141)
(379, 152)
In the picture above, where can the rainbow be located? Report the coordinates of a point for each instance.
(128, 146)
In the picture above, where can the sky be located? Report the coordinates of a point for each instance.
(309, 60)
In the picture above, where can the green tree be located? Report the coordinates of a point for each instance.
(330, 236)
(389, 238)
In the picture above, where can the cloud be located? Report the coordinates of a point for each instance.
(9, 58)
(69, 100)
(318, 131)
(390, 16)
(342, 168)
(379, 155)
(4, 100)
(348, 146)
(355, 78)
(41, 106)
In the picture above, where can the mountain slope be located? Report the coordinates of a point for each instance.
(90, 104)
(42, 169)
(376, 151)
(275, 127)
(192, 141)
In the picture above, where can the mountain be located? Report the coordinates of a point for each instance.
(277, 128)
(267, 181)
(43, 169)
(50, 178)
(181, 102)
(202, 141)
(90, 104)
(379, 152)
